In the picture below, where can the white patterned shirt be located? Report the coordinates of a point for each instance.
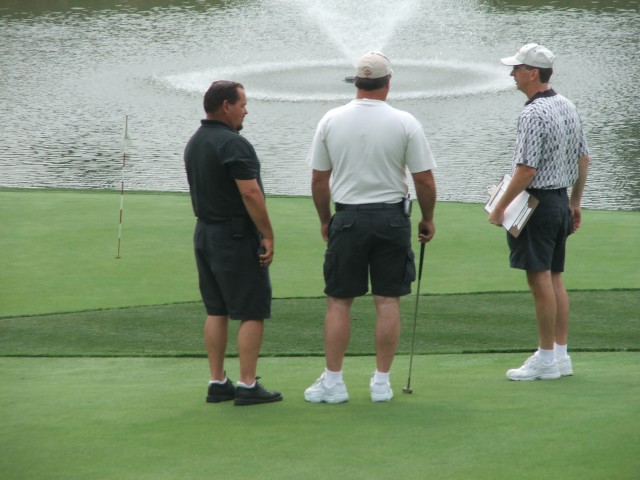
(551, 140)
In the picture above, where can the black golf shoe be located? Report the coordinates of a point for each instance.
(255, 395)
(221, 392)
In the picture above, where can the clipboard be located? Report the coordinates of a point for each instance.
(517, 214)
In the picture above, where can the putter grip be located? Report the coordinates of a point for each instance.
(421, 261)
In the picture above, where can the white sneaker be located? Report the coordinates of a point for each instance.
(319, 392)
(380, 392)
(565, 367)
(535, 369)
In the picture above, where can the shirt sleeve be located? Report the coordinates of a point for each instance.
(418, 153)
(584, 149)
(240, 159)
(318, 158)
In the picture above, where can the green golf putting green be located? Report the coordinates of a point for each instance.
(147, 418)
(59, 250)
(104, 376)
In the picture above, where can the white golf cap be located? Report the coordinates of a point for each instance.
(533, 55)
(373, 65)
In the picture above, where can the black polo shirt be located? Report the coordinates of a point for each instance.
(215, 157)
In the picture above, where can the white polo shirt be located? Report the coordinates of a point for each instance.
(369, 146)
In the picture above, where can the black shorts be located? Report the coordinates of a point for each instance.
(373, 243)
(542, 243)
(232, 282)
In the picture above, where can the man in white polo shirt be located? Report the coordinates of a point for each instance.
(550, 156)
(360, 155)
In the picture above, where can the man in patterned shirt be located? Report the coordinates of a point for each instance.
(550, 156)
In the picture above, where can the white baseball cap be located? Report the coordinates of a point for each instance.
(373, 65)
(533, 55)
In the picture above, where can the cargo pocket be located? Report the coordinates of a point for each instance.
(329, 269)
(340, 223)
(410, 267)
(399, 221)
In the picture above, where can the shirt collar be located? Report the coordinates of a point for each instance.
(215, 123)
(546, 93)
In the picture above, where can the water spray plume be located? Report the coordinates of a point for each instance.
(352, 27)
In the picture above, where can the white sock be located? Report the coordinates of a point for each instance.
(218, 382)
(546, 356)
(380, 377)
(241, 384)
(560, 351)
(331, 378)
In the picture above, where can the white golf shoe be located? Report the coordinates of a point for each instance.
(535, 369)
(565, 367)
(320, 392)
(380, 392)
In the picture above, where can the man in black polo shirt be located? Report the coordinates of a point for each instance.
(233, 241)
(550, 156)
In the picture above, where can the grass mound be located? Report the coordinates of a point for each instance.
(457, 323)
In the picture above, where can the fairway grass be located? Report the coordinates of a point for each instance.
(147, 419)
(59, 250)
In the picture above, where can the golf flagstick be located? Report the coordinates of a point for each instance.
(126, 141)
(408, 389)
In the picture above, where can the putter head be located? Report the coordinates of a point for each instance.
(407, 390)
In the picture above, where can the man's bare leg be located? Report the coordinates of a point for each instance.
(215, 339)
(544, 295)
(387, 331)
(562, 308)
(337, 331)
(250, 336)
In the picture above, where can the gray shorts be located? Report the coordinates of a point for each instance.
(232, 282)
(369, 243)
(542, 243)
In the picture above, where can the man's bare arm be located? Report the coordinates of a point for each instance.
(321, 193)
(425, 185)
(255, 203)
(576, 193)
(522, 178)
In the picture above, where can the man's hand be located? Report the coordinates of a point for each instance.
(576, 218)
(266, 257)
(522, 178)
(427, 231)
(324, 231)
(496, 217)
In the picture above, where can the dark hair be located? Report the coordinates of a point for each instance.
(372, 83)
(218, 92)
(543, 73)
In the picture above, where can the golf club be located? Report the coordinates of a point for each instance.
(408, 388)
(126, 141)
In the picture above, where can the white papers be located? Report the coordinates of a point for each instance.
(519, 210)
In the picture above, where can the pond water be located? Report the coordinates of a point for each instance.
(72, 74)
